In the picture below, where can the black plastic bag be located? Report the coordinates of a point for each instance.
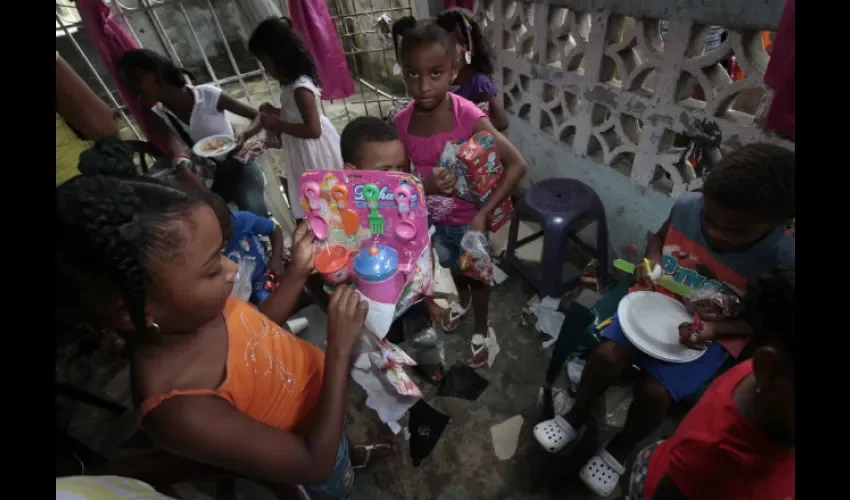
(463, 382)
(426, 427)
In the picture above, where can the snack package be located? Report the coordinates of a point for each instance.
(478, 167)
(481, 165)
(475, 260)
(714, 304)
(390, 356)
(448, 159)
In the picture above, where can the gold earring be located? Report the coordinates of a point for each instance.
(153, 327)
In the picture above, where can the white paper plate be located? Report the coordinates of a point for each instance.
(651, 320)
(218, 154)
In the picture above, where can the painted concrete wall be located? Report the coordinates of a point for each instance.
(751, 14)
(630, 210)
(570, 76)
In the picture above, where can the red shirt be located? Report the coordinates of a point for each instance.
(716, 453)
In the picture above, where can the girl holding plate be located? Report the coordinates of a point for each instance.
(185, 115)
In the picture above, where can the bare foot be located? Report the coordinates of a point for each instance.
(361, 455)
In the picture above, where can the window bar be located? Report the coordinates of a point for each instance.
(99, 79)
(120, 8)
(393, 99)
(199, 44)
(365, 51)
(383, 57)
(149, 7)
(355, 69)
(229, 53)
(266, 79)
(373, 12)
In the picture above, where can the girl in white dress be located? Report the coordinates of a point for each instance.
(308, 138)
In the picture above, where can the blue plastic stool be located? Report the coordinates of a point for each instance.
(562, 207)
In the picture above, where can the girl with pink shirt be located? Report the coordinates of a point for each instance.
(426, 54)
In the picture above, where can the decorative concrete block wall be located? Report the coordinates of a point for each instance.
(597, 93)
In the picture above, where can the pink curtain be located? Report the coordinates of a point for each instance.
(780, 75)
(312, 21)
(111, 40)
(466, 4)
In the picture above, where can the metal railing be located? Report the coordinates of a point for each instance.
(359, 40)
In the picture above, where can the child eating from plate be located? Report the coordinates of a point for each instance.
(724, 237)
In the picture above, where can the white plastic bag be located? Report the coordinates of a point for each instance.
(242, 286)
(475, 260)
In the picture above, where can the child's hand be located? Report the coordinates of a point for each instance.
(303, 252)
(276, 268)
(346, 315)
(268, 109)
(479, 223)
(240, 141)
(699, 340)
(269, 120)
(441, 181)
(642, 275)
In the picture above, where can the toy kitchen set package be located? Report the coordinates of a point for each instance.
(372, 229)
(373, 234)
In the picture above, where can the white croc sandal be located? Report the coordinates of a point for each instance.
(555, 434)
(602, 473)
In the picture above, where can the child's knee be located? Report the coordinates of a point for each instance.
(446, 254)
(650, 389)
(611, 355)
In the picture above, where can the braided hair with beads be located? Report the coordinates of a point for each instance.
(472, 38)
(408, 33)
(111, 225)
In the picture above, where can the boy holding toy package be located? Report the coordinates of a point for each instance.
(369, 143)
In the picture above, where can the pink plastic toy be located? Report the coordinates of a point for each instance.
(391, 263)
(334, 263)
(404, 230)
(318, 224)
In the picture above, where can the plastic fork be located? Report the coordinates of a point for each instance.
(376, 220)
(665, 282)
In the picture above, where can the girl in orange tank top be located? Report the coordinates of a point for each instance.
(216, 380)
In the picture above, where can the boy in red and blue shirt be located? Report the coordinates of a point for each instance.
(729, 234)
